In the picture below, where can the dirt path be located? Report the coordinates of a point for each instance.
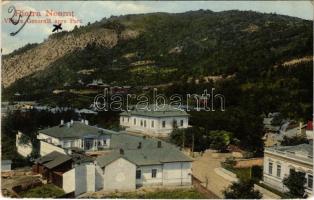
(204, 168)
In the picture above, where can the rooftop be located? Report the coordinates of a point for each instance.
(155, 111)
(142, 151)
(302, 151)
(53, 159)
(75, 130)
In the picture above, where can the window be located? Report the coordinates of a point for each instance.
(154, 173)
(134, 121)
(66, 144)
(181, 123)
(163, 124)
(278, 170)
(141, 122)
(144, 123)
(105, 141)
(152, 124)
(138, 174)
(270, 168)
(123, 119)
(310, 181)
(128, 119)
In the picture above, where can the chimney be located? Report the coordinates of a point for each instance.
(82, 120)
(139, 145)
(159, 144)
(61, 122)
(71, 121)
(121, 151)
(86, 122)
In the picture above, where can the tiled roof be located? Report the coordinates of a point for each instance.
(154, 111)
(148, 154)
(75, 130)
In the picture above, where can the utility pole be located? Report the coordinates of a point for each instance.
(193, 144)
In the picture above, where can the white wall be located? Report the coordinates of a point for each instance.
(54, 140)
(99, 178)
(68, 181)
(277, 181)
(23, 149)
(46, 148)
(84, 178)
(177, 173)
(146, 175)
(119, 175)
(157, 129)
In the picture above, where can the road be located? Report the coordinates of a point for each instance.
(204, 168)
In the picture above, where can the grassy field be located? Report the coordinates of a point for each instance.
(242, 173)
(159, 194)
(44, 191)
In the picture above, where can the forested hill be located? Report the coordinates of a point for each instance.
(158, 48)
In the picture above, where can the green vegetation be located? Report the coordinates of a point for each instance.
(44, 191)
(250, 47)
(287, 141)
(159, 194)
(242, 190)
(295, 183)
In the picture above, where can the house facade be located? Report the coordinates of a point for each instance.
(279, 160)
(74, 134)
(154, 121)
(159, 165)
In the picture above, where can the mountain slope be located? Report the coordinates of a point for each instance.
(157, 48)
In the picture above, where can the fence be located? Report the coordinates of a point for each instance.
(202, 189)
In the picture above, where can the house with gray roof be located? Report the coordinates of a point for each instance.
(123, 162)
(280, 160)
(74, 134)
(154, 120)
(150, 163)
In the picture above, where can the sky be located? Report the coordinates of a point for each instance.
(90, 11)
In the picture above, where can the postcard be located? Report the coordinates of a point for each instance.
(157, 99)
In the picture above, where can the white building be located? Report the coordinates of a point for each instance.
(153, 164)
(73, 134)
(154, 121)
(279, 160)
(124, 163)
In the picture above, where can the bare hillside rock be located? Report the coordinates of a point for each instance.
(40, 57)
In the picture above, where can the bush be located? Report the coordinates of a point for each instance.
(44, 191)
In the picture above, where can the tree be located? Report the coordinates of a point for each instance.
(294, 141)
(295, 183)
(219, 139)
(242, 190)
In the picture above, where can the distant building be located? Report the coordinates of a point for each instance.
(6, 165)
(155, 121)
(279, 160)
(277, 128)
(309, 130)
